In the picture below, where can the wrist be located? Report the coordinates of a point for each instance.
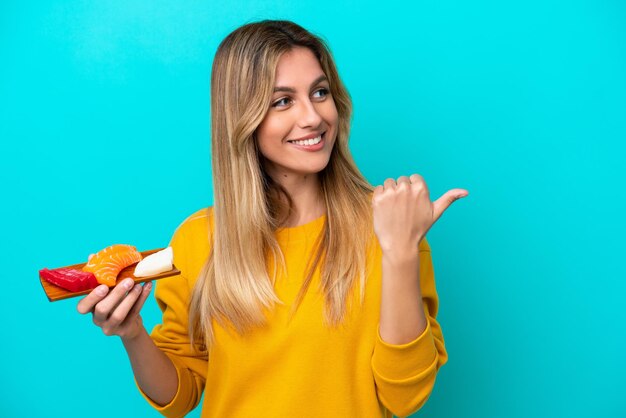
(132, 337)
(398, 256)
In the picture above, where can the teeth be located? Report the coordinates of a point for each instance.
(308, 142)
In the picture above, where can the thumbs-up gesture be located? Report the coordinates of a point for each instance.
(403, 212)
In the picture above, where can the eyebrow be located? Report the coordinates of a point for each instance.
(292, 90)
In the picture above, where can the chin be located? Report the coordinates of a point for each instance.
(318, 169)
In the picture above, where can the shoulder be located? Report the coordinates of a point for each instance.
(198, 222)
(202, 216)
(191, 241)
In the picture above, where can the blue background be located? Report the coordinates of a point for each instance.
(104, 126)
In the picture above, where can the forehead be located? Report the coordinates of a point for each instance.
(297, 66)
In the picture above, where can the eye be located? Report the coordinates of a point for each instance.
(320, 93)
(284, 101)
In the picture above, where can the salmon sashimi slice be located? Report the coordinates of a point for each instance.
(108, 262)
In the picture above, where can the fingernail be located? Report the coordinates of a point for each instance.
(128, 283)
(137, 288)
(101, 290)
(148, 286)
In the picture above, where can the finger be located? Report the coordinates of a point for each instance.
(107, 305)
(444, 202)
(378, 190)
(88, 302)
(403, 180)
(389, 184)
(418, 183)
(119, 313)
(416, 178)
(145, 292)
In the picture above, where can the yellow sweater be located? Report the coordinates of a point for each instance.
(299, 368)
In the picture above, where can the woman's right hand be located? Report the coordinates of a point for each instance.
(116, 310)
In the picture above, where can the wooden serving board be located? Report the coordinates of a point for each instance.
(55, 293)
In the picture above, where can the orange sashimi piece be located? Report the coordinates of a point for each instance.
(108, 262)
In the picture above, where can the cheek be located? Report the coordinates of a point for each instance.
(266, 146)
(330, 113)
(265, 134)
(273, 128)
(331, 116)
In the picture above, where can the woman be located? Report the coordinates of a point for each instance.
(304, 291)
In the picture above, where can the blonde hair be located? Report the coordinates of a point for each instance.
(234, 287)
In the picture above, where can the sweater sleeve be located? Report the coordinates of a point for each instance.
(173, 295)
(405, 373)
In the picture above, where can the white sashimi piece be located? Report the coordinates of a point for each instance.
(155, 263)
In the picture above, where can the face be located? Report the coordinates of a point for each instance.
(297, 135)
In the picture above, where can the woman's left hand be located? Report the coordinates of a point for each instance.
(403, 212)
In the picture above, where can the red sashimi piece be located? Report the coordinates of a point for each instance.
(86, 281)
(60, 280)
(70, 279)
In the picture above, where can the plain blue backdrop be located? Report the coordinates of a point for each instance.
(104, 132)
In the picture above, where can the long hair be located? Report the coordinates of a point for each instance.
(234, 288)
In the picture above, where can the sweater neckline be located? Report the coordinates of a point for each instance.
(300, 232)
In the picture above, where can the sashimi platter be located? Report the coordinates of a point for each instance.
(108, 266)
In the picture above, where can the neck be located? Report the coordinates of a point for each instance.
(305, 193)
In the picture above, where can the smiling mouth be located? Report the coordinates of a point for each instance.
(308, 142)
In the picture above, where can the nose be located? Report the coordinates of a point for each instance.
(309, 116)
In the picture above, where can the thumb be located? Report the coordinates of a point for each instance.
(444, 202)
(378, 190)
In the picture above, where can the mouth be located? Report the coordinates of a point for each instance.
(311, 144)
